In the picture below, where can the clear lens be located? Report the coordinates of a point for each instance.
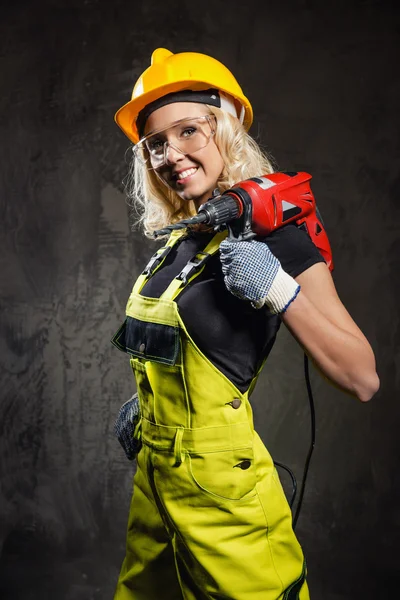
(186, 136)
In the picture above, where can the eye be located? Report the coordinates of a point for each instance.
(154, 145)
(188, 132)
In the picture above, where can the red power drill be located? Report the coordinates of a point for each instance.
(259, 205)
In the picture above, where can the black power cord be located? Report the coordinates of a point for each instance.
(310, 450)
(293, 478)
(312, 445)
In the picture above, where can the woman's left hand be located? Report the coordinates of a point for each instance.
(252, 272)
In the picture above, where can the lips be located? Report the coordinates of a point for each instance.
(182, 172)
(184, 175)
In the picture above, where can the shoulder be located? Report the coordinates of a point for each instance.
(293, 248)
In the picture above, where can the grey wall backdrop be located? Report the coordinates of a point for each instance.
(323, 79)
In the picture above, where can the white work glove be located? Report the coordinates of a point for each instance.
(252, 272)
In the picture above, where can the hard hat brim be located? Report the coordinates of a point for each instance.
(126, 116)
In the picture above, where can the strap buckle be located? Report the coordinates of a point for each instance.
(156, 259)
(193, 265)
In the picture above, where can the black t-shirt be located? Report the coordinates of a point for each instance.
(233, 335)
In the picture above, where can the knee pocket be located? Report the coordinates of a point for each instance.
(228, 474)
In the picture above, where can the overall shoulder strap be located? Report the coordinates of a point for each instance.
(157, 259)
(193, 268)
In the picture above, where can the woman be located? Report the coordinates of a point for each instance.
(209, 518)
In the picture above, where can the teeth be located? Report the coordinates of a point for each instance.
(186, 173)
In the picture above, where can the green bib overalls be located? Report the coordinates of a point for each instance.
(208, 518)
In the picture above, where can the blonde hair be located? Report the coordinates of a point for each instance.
(156, 205)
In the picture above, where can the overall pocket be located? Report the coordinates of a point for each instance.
(227, 474)
(148, 341)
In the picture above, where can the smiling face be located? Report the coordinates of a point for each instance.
(192, 176)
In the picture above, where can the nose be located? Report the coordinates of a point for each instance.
(172, 154)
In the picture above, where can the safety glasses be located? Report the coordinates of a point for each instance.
(185, 136)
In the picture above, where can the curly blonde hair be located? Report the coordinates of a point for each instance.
(156, 205)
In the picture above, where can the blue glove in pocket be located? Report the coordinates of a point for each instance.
(127, 427)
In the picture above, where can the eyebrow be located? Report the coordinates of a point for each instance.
(176, 123)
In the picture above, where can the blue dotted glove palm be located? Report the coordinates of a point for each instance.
(127, 427)
(252, 272)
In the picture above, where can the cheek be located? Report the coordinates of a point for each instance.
(213, 163)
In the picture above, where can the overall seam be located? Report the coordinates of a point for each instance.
(189, 415)
(268, 540)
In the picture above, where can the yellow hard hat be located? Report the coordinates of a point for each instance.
(170, 73)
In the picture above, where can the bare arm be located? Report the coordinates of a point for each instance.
(328, 334)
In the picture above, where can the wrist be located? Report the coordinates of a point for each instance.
(281, 294)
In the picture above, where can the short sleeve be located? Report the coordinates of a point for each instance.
(294, 249)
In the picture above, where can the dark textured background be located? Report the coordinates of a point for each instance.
(323, 79)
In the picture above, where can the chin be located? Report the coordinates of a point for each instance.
(192, 195)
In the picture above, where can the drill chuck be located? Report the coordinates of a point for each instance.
(222, 210)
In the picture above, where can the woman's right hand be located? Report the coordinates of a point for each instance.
(252, 272)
